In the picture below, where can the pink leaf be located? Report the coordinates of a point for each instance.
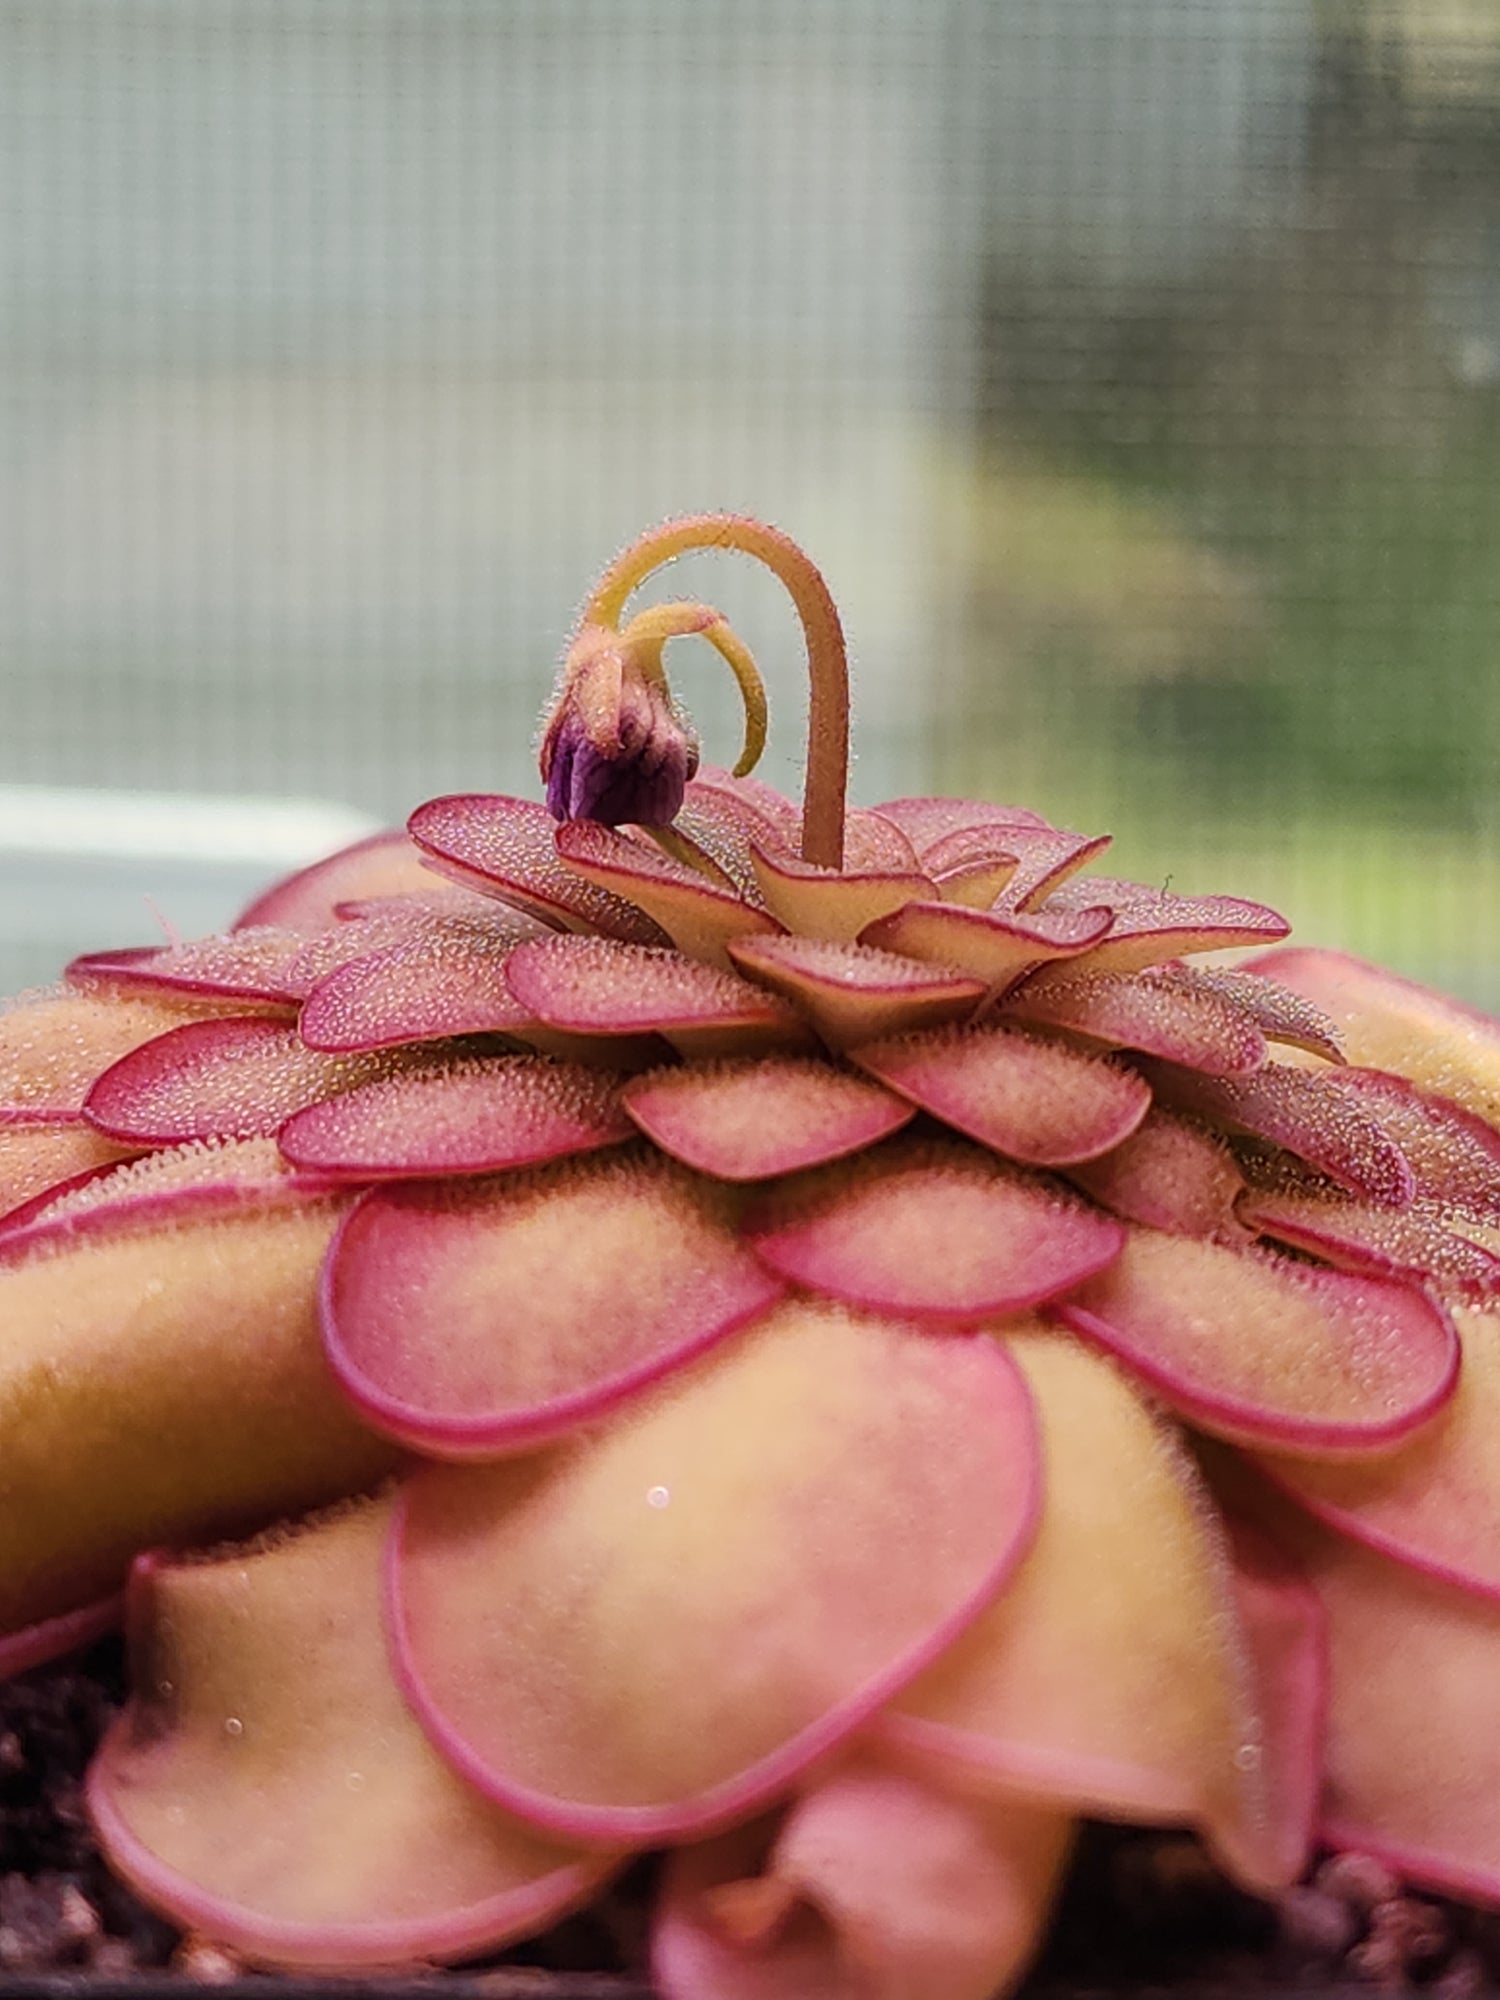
(1110, 1679)
(1390, 1023)
(1307, 1112)
(242, 965)
(1046, 857)
(743, 1513)
(691, 911)
(1411, 1774)
(267, 1787)
(1167, 1014)
(1034, 1100)
(473, 1320)
(1286, 1633)
(1253, 1347)
(384, 865)
(1435, 1503)
(1411, 1243)
(478, 1117)
(505, 847)
(758, 1116)
(931, 1229)
(993, 946)
(598, 986)
(447, 978)
(879, 1886)
(1279, 1013)
(1454, 1156)
(926, 821)
(832, 903)
(1169, 1174)
(236, 1078)
(852, 993)
(1152, 925)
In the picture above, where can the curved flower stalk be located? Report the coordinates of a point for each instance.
(830, 1342)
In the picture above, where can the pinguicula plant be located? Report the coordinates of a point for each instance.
(826, 1342)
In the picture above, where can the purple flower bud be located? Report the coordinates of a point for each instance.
(615, 749)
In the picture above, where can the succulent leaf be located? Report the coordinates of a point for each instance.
(1152, 926)
(853, 993)
(243, 965)
(1313, 1215)
(755, 1117)
(38, 1153)
(505, 847)
(268, 1786)
(1171, 1173)
(54, 1044)
(1033, 1099)
(1386, 1022)
(1414, 1708)
(386, 864)
(1434, 1503)
(932, 1229)
(744, 1514)
(878, 1885)
(995, 946)
(162, 1380)
(447, 978)
(1454, 1156)
(1309, 1113)
(1279, 1013)
(928, 821)
(1253, 1347)
(1173, 1013)
(833, 903)
(1129, 1567)
(598, 986)
(237, 1078)
(474, 1320)
(482, 1116)
(1046, 857)
(696, 913)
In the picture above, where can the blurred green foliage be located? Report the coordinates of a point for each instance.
(1234, 575)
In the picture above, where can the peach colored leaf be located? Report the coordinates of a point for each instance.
(702, 1599)
(1113, 1677)
(239, 1077)
(266, 1786)
(877, 1886)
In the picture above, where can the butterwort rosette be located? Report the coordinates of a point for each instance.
(833, 1344)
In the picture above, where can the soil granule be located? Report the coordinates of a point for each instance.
(1143, 1910)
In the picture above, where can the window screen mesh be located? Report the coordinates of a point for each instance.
(1131, 366)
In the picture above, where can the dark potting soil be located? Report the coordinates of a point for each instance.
(1143, 1910)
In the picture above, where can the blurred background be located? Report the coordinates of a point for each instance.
(1132, 368)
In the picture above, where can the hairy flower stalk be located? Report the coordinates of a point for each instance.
(832, 1343)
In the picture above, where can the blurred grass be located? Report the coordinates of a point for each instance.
(1281, 687)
